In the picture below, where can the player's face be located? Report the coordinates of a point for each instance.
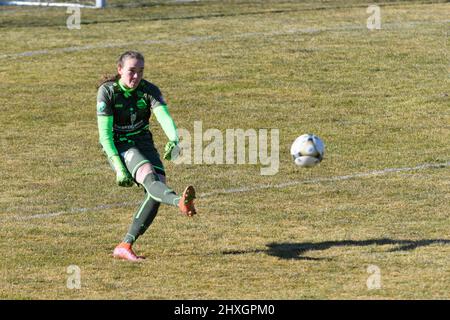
(131, 72)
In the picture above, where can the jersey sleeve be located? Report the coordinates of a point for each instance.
(156, 97)
(165, 120)
(105, 120)
(104, 102)
(105, 135)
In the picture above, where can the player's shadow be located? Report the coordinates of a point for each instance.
(298, 251)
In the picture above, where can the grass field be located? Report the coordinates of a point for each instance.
(379, 99)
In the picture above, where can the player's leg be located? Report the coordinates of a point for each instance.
(137, 165)
(147, 210)
(147, 172)
(152, 178)
(186, 202)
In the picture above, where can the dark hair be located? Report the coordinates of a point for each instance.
(120, 62)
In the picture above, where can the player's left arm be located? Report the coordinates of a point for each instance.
(162, 114)
(166, 122)
(170, 129)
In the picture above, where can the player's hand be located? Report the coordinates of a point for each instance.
(171, 150)
(123, 177)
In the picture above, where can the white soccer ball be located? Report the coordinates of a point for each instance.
(307, 150)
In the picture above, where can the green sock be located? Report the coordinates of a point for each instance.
(142, 219)
(156, 193)
(159, 191)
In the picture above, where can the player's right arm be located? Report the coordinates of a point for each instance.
(105, 120)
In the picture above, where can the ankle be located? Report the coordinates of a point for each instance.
(125, 245)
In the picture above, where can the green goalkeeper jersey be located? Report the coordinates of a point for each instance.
(131, 109)
(123, 113)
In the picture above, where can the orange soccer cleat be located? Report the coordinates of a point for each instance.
(124, 251)
(186, 203)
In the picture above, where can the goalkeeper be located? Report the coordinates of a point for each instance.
(124, 105)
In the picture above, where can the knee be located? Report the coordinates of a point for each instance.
(143, 171)
(147, 169)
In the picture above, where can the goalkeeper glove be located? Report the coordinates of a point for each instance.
(171, 150)
(123, 177)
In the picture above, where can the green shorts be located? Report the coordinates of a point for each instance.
(138, 150)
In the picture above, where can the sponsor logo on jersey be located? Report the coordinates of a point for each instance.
(141, 104)
(101, 106)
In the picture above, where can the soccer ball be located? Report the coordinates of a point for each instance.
(307, 150)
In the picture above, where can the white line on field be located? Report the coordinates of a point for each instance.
(195, 39)
(330, 179)
(243, 189)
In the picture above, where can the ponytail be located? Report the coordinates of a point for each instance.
(108, 78)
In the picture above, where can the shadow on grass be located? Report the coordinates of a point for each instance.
(297, 251)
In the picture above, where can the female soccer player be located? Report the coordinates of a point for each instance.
(124, 105)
